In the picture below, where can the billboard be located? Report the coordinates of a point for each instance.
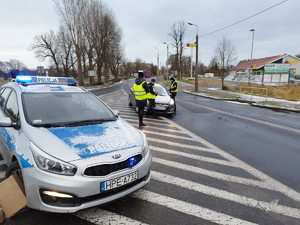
(277, 68)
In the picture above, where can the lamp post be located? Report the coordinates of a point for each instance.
(252, 30)
(167, 58)
(196, 70)
(157, 61)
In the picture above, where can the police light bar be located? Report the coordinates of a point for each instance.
(23, 79)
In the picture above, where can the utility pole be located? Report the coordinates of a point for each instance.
(196, 70)
(196, 75)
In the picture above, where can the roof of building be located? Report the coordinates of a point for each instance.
(257, 62)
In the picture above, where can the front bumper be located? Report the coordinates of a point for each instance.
(85, 190)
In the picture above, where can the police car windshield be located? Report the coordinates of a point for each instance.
(161, 91)
(64, 109)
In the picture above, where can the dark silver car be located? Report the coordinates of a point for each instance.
(164, 104)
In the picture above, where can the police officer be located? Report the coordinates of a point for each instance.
(173, 90)
(151, 98)
(140, 88)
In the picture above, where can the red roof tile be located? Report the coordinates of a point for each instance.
(258, 62)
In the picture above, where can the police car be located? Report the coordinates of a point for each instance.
(69, 148)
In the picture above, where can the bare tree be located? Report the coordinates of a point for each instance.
(16, 64)
(66, 51)
(177, 33)
(46, 46)
(226, 56)
(71, 13)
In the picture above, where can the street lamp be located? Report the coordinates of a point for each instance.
(196, 72)
(252, 30)
(157, 61)
(167, 58)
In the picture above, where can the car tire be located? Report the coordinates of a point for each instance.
(14, 168)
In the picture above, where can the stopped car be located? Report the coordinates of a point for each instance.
(69, 148)
(164, 104)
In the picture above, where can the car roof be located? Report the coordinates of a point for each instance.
(44, 84)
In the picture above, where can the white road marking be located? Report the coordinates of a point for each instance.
(192, 156)
(188, 208)
(149, 122)
(99, 216)
(248, 118)
(162, 135)
(213, 174)
(262, 205)
(175, 144)
(269, 182)
(239, 103)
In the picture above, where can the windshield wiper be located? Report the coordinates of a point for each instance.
(48, 125)
(87, 122)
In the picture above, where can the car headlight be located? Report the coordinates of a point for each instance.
(171, 102)
(145, 146)
(50, 164)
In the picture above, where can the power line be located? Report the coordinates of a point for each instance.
(243, 19)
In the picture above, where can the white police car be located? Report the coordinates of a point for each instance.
(71, 150)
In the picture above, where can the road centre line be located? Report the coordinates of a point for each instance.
(168, 135)
(191, 156)
(213, 174)
(175, 144)
(262, 205)
(99, 216)
(247, 118)
(188, 208)
(270, 182)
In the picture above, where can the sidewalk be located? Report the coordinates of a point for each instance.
(259, 101)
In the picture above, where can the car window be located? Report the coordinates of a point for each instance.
(11, 108)
(161, 91)
(50, 108)
(4, 96)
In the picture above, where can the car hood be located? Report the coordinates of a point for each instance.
(75, 143)
(162, 99)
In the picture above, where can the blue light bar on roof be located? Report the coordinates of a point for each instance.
(45, 80)
(23, 78)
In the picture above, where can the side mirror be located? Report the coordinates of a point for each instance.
(5, 122)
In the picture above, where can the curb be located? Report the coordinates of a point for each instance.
(252, 103)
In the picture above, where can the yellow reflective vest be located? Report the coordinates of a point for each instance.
(150, 95)
(172, 86)
(139, 91)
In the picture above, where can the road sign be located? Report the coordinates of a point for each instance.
(191, 45)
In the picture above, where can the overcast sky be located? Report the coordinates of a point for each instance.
(146, 25)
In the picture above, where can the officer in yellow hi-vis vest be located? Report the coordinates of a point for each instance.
(173, 90)
(141, 89)
(151, 98)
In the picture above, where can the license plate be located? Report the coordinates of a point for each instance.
(118, 182)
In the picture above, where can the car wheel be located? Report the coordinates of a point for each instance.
(14, 168)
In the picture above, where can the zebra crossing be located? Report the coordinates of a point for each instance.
(171, 144)
(194, 182)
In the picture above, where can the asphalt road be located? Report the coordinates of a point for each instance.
(215, 162)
